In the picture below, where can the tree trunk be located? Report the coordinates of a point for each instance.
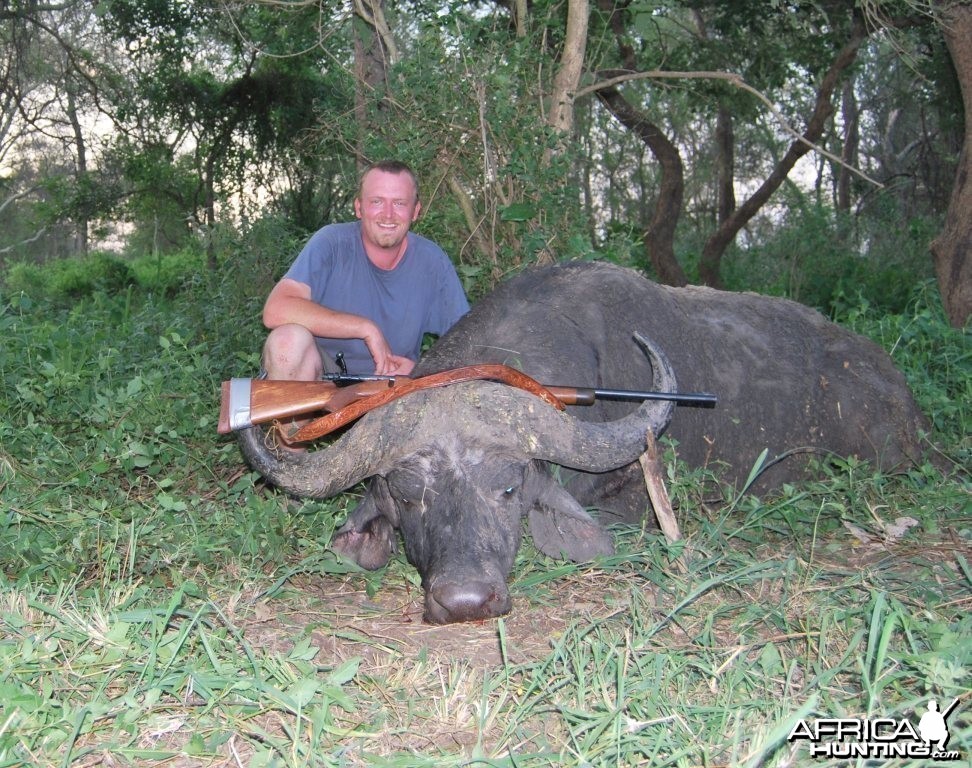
(659, 237)
(81, 173)
(725, 144)
(209, 203)
(715, 246)
(950, 250)
(519, 9)
(725, 164)
(474, 221)
(561, 117)
(374, 52)
(848, 156)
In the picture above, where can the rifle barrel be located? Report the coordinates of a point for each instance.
(589, 395)
(697, 399)
(569, 395)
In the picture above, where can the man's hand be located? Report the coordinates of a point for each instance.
(402, 366)
(386, 362)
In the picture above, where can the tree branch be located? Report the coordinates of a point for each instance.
(374, 16)
(615, 77)
(37, 236)
(717, 243)
(18, 196)
(659, 237)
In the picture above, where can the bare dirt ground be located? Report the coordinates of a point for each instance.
(343, 621)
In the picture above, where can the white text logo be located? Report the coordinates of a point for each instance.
(879, 737)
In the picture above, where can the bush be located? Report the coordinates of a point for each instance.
(168, 273)
(70, 278)
(820, 259)
(163, 274)
(933, 356)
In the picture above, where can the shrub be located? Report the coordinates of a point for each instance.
(821, 259)
(168, 273)
(71, 278)
(164, 274)
(933, 356)
(24, 277)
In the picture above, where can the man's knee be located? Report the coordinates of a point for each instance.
(287, 338)
(290, 351)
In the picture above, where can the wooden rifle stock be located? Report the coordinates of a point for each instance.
(272, 399)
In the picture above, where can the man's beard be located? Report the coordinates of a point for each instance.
(388, 238)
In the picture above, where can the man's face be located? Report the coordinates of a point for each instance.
(387, 205)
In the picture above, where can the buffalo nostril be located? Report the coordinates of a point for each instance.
(470, 601)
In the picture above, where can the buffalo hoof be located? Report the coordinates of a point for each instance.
(449, 602)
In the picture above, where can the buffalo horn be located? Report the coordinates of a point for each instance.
(478, 413)
(315, 474)
(557, 437)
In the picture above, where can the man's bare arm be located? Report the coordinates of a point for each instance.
(290, 302)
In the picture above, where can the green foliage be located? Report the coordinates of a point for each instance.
(817, 258)
(71, 278)
(524, 205)
(210, 124)
(151, 28)
(113, 402)
(167, 273)
(253, 260)
(229, 111)
(162, 197)
(150, 658)
(935, 358)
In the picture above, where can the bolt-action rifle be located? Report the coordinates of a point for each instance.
(246, 402)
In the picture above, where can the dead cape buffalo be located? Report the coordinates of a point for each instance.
(456, 469)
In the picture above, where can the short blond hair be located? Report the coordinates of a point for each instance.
(389, 166)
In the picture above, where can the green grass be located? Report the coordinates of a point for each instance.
(160, 606)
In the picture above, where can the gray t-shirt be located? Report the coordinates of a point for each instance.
(422, 294)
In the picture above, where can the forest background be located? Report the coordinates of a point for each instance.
(811, 149)
(161, 163)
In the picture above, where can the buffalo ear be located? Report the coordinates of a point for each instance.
(368, 536)
(561, 528)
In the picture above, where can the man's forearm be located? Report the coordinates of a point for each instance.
(321, 321)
